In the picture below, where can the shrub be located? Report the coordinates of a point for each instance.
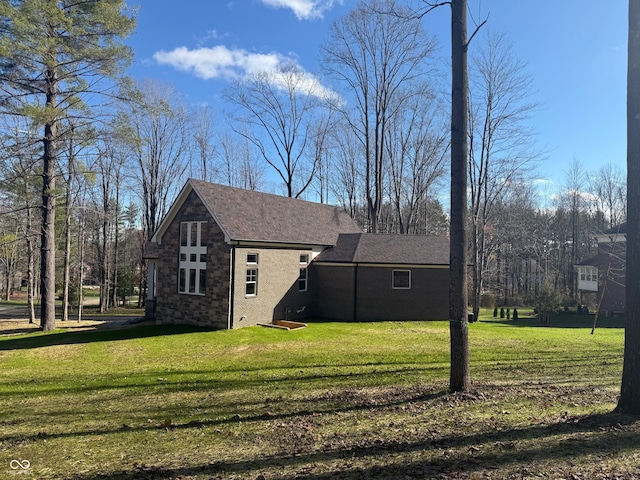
(548, 301)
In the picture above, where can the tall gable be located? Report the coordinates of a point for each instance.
(250, 216)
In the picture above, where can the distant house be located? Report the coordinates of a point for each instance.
(612, 269)
(587, 273)
(224, 257)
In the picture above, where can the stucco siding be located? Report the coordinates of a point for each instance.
(277, 295)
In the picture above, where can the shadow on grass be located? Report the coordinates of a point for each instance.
(559, 444)
(561, 320)
(309, 407)
(63, 337)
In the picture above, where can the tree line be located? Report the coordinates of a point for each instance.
(92, 159)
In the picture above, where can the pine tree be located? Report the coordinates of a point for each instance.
(629, 400)
(55, 55)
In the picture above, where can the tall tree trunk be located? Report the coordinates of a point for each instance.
(81, 269)
(114, 274)
(48, 231)
(48, 244)
(30, 268)
(67, 253)
(460, 379)
(629, 401)
(104, 264)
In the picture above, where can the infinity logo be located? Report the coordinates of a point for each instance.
(23, 464)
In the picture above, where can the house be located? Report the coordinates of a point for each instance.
(224, 257)
(612, 269)
(587, 273)
(368, 277)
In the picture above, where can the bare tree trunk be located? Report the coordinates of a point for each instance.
(67, 253)
(104, 262)
(48, 241)
(629, 401)
(460, 379)
(30, 268)
(81, 269)
(114, 274)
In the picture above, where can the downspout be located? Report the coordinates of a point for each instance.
(355, 294)
(232, 282)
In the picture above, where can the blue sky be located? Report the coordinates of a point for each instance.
(575, 51)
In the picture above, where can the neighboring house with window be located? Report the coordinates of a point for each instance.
(612, 269)
(224, 257)
(587, 273)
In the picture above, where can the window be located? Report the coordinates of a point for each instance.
(402, 279)
(304, 258)
(192, 269)
(251, 285)
(252, 258)
(588, 274)
(183, 234)
(302, 280)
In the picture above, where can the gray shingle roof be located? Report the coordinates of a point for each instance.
(622, 228)
(392, 249)
(247, 215)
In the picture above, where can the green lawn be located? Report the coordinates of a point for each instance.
(334, 400)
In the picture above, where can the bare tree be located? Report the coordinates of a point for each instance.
(629, 400)
(20, 185)
(348, 178)
(378, 52)
(609, 191)
(238, 159)
(155, 129)
(323, 148)
(417, 146)
(204, 137)
(501, 150)
(52, 72)
(277, 112)
(460, 377)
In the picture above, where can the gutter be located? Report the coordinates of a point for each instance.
(232, 283)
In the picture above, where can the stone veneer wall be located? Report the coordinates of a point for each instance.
(210, 309)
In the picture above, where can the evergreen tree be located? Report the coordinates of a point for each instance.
(55, 55)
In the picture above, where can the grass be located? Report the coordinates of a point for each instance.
(334, 400)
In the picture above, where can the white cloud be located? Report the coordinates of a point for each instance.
(219, 62)
(303, 9)
(236, 64)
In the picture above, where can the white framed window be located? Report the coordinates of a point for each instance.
(252, 258)
(304, 258)
(251, 282)
(192, 268)
(401, 279)
(302, 280)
